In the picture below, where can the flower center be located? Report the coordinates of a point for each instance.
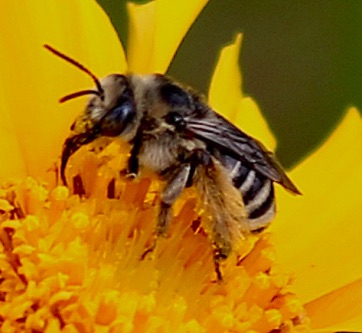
(71, 261)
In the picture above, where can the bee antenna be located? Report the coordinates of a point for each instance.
(81, 67)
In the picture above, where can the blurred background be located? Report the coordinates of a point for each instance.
(300, 60)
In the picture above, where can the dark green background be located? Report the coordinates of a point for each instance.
(300, 60)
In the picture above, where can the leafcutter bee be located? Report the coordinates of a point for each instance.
(174, 133)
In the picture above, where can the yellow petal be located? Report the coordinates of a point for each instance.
(34, 79)
(317, 235)
(225, 96)
(340, 310)
(12, 162)
(174, 19)
(225, 88)
(250, 119)
(141, 36)
(156, 29)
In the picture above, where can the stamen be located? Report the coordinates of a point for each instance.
(75, 262)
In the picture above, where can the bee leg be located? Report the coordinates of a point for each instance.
(197, 158)
(133, 168)
(133, 164)
(211, 183)
(220, 254)
(174, 187)
(217, 260)
(171, 192)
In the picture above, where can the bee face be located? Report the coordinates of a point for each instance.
(112, 113)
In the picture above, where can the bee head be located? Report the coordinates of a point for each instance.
(110, 111)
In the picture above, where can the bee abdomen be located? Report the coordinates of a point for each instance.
(258, 195)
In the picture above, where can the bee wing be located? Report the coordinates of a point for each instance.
(217, 131)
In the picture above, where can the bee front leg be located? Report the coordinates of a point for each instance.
(174, 187)
(133, 164)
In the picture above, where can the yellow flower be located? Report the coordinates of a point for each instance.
(71, 264)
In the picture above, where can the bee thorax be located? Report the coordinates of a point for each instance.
(157, 156)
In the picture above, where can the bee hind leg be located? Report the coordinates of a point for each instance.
(220, 254)
(174, 187)
(217, 259)
(224, 208)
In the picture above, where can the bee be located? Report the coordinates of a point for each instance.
(174, 133)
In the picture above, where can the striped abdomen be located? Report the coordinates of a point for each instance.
(257, 192)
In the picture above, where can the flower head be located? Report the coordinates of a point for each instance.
(71, 256)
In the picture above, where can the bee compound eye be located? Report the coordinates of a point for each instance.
(117, 119)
